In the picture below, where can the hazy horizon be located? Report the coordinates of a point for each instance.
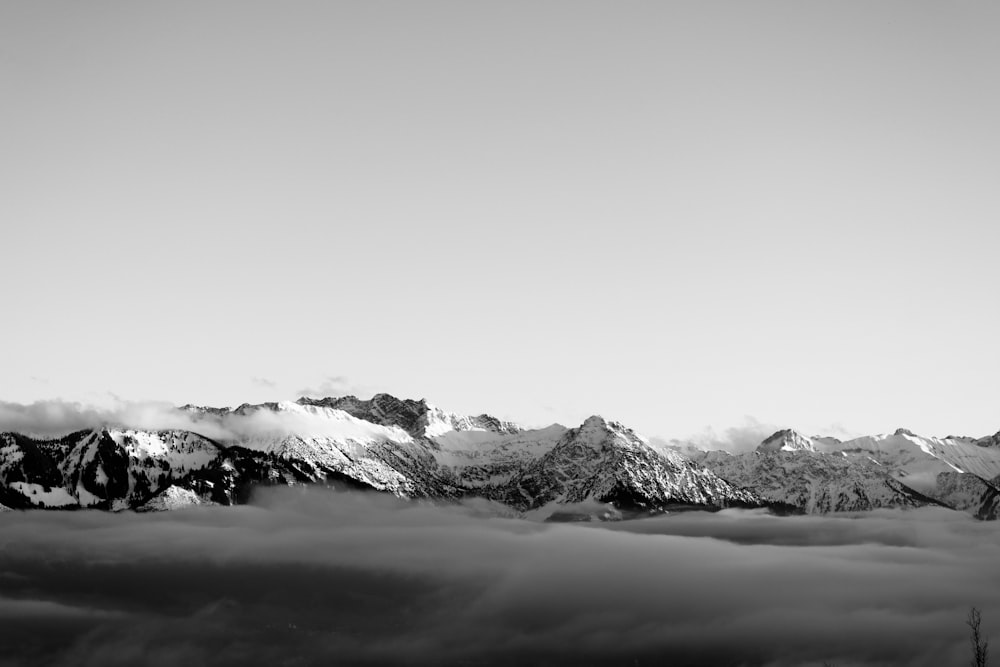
(55, 418)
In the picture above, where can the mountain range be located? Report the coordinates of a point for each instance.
(412, 449)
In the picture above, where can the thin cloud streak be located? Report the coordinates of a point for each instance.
(743, 437)
(332, 385)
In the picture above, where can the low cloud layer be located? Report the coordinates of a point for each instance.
(315, 577)
(57, 418)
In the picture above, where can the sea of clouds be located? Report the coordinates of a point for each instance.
(316, 577)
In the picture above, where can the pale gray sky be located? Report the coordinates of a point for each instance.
(673, 214)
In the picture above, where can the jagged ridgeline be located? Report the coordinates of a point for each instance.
(897, 470)
(412, 449)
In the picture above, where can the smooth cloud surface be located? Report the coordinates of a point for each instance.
(315, 577)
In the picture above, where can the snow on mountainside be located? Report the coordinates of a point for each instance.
(44, 496)
(811, 482)
(408, 448)
(787, 441)
(890, 470)
(318, 443)
(477, 459)
(172, 498)
(418, 418)
(607, 462)
(269, 420)
(917, 460)
(404, 447)
(106, 468)
(413, 449)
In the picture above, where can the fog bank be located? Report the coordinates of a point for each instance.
(306, 577)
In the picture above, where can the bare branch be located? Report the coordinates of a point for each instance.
(980, 646)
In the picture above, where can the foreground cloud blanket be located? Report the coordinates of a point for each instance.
(313, 577)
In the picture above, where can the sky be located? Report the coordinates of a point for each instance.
(689, 217)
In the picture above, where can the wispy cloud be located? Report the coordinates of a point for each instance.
(332, 385)
(742, 437)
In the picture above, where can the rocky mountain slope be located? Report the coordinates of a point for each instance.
(969, 493)
(405, 447)
(105, 467)
(608, 462)
(900, 469)
(813, 483)
(412, 449)
(917, 460)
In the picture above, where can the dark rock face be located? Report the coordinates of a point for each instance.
(989, 440)
(414, 417)
(380, 409)
(969, 493)
(491, 423)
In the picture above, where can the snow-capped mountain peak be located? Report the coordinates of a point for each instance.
(608, 462)
(436, 422)
(595, 431)
(599, 434)
(412, 448)
(787, 440)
